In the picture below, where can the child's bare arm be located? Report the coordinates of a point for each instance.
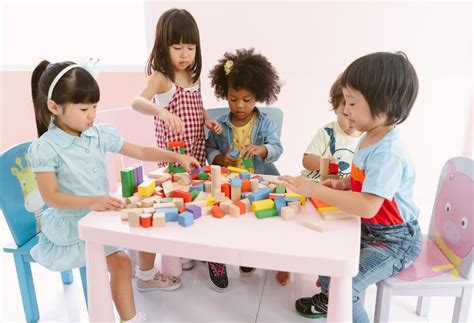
(157, 83)
(49, 189)
(311, 162)
(155, 154)
(364, 205)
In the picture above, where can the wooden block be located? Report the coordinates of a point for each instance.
(242, 207)
(234, 210)
(217, 212)
(149, 201)
(246, 201)
(225, 207)
(315, 225)
(207, 186)
(145, 220)
(198, 203)
(124, 213)
(147, 188)
(164, 205)
(296, 206)
(287, 213)
(299, 197)
(262, 205)
(206, 210)
(168, 187)
(267, 213)
(235, 193)
(134, 219)
(253, 185)
(159, 220)
(179, 201)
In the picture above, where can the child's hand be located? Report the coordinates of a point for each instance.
(104, 203)
(188, 162)
(254, 150)
(213, 125)
(172, 121)
(300, 185)
(337, 184)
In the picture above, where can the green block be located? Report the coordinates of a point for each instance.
(174, 170)
(195, 193)
(203, 176)
(127, 179)
(166, 200)
(280, 190)
(181, 150)
(170, 149)
(247, 162)
(268, 213)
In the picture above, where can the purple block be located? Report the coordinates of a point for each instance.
(197, 170)
(138, 174)
(195, 210)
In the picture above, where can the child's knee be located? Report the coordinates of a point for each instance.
(120, 262)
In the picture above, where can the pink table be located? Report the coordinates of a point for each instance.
(268, 244)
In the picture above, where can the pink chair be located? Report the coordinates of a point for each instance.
(444, 265)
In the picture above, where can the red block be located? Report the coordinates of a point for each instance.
(225, 188)
(223, 170)
(183, 209)
(176, 144)
(194, 176)
(217, 212)
(197, 182)
(333, 168)
(187, 196)
(146, 222)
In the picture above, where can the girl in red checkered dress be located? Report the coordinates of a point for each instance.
(173, 96)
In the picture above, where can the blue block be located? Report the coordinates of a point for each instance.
(245, 195)
(245, 175)
(195, 210)
(171, 213)
(185, 219)
(279, 203)
(199, 187)
(236, 182)
(197, 170)
(260, 194)
(291, 199)
(234, 153)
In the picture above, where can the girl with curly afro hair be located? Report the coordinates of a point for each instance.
(244, 78)
(249, 137)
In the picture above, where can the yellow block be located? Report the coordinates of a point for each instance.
(262, 205)
(147, 188)
(327, 208)
(297, 196)
(210, 201)
(236, 169)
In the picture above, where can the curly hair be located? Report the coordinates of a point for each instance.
(249, 71)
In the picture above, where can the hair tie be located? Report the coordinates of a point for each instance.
(228, 66)
(89, 66)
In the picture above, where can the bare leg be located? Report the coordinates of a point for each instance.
(282, 277)
(120, 268)
(146, 260)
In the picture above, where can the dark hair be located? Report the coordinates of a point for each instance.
(76, 86)
(174, 26)
(335, 94)
(387, 81)
(249, 71)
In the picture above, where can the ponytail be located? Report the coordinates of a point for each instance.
(42, 113)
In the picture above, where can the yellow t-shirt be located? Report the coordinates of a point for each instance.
(242, 137)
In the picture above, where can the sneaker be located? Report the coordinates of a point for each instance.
(218, 276)
(159, 282)
(246, 271)
(187, 264)
(313, 307)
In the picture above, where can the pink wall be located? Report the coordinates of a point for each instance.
(17, 122)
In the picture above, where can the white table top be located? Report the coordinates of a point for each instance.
(267, 243)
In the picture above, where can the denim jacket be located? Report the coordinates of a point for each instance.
(264, 132)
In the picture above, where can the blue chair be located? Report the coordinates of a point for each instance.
(276, 114)
(22, 207)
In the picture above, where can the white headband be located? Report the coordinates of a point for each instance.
(88, 66)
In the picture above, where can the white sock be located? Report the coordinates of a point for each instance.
(146, 275)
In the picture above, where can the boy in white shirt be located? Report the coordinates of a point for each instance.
(337, 139)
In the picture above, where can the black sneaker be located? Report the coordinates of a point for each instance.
(246, 271)
(313, 307)
(218, 276)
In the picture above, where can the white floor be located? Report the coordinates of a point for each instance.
(258, 298)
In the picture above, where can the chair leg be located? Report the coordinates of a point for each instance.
(27, 288)
(82, 270)
(423, 306)
(67, 277)
(382, 302)
(462, 305)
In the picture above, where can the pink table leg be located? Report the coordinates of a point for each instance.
(99, 294)
(340, 300)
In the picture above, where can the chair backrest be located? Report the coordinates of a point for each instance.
(134, 127)
(452, 220)
(274, 113)
(21, 201)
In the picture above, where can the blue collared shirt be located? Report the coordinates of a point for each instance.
(264, 132)
(79, 163)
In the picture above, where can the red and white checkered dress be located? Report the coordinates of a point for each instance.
(186, 104)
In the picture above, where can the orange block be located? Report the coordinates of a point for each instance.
(176, 144)
(183, 209)
(246, 185)
(241, 206)
(318, 203)
(225, 188)
(217, 212)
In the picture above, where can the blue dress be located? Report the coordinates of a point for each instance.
(80, 167)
